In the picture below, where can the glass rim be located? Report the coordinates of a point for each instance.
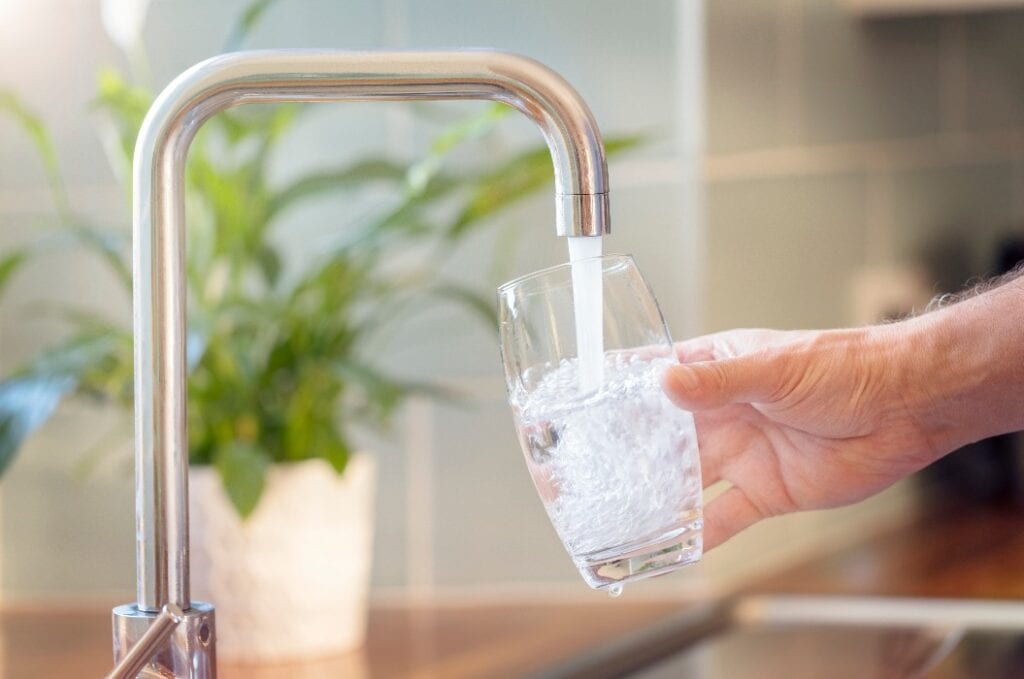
(547, 271)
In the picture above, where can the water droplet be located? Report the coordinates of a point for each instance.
(615, 591)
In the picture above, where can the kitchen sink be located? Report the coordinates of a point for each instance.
(797, 637)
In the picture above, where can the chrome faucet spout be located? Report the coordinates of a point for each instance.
(161, 447)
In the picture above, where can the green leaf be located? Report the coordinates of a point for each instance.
(9, 264)
(380, 394)
(481, 305)
(109, 246)
(515, 179)
(510, 183)
(33, 126)
(613, 146)
(25, 404)
(73, 357)
(269, 262)
(30, 396)
(243, 470)
(335, 450)
(87, 323)
(474, 127)
(126, 106)
(240, 30)
(355, 175)
(266, 122)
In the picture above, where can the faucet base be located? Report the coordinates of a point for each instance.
(190, 653)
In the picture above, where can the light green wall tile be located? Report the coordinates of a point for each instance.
(646, 224)
(181, 32)
(951, 217)
(64, 534)
(49, 53)
(620, 56)
(868, 80)
(743, 89)
(389, 528)
(489, 524)
(994, 69)
(781, 251)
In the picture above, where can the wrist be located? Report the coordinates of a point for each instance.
(937, 371)
(964, 371)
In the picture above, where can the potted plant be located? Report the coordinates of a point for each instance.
(280, 356)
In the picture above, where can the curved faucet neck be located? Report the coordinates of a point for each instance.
(161, 471)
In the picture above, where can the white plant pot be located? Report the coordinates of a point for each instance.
(292, 580)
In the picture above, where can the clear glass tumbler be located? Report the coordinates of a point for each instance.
(614, 461)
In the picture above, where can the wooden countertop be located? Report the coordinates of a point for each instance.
(420, 641)
(976, 553)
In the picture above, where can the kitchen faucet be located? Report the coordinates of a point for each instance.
(165, 633)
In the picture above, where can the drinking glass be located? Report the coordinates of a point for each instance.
(614, 461)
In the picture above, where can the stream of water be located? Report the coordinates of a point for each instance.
(584, 254)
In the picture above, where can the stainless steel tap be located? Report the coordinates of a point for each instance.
(185, 644)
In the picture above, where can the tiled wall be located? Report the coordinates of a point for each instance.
(832, 146)
(837, 145)
(841, 151)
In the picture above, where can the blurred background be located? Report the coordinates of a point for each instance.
(805, 163)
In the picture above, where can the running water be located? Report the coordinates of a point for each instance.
(589, 306)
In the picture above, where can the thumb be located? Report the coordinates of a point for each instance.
(703, 385)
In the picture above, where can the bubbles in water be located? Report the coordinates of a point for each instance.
(615, 591)
(615, 466)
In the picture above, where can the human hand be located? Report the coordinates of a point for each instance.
(800, 420)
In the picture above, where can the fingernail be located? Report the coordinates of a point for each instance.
(685, 377)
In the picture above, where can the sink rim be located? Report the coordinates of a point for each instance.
(710, 619)
(989, 615)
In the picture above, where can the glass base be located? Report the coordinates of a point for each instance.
(647, 559)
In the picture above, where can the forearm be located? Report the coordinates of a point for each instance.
(969, 361)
